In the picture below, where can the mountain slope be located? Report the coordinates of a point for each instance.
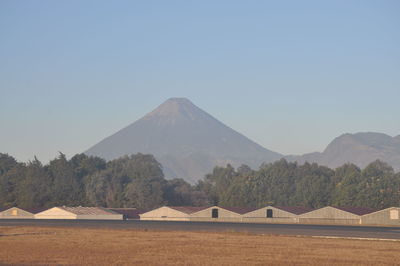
(360, 149)
(187, 141)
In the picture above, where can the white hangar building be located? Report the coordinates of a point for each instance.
(20, 213)
(170, 213)
(335, 215)
(276, 214)
(79, 213)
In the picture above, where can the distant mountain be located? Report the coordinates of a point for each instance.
(187, 141)
(360, 149)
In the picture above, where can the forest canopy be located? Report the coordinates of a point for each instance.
(138, 181)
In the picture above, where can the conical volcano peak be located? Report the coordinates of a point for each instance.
(175, 107)
(186, 140)
(179, 100)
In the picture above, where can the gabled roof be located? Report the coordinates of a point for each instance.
(130, 213)
(240, 210)
(187, 209)
(30, 210)
(294, 209)
(87, 210)
(356, 210)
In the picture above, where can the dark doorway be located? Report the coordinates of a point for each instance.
(214, 213)
(269, 213)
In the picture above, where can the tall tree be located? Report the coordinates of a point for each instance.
(67, 186)
(35, 189)
(12, 176)
(7, 162)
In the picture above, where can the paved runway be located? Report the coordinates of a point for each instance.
(275, 229)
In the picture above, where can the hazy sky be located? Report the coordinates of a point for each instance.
(291, 75)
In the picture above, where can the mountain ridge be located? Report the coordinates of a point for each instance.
(359, 148)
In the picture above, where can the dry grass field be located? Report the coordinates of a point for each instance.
(72, 246)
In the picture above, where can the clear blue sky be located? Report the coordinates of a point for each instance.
(291, 75)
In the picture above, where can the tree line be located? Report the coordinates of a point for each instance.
(138, 181)
(289, 184)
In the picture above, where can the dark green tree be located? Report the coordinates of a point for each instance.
(34, 190)
(67, 187)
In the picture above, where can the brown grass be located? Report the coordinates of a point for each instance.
(71, 246)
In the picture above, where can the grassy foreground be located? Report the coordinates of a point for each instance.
(45, 245)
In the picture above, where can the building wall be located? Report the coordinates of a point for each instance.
(100, 217)
(223, 215)
(164, 214)
(279, 216)
(389, 216)
(328, 221)
(269, 220)
(55, 213)
(16, 213)
(329, 215)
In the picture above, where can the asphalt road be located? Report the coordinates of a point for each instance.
(274, 229)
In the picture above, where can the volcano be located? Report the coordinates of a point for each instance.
(187, 141)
